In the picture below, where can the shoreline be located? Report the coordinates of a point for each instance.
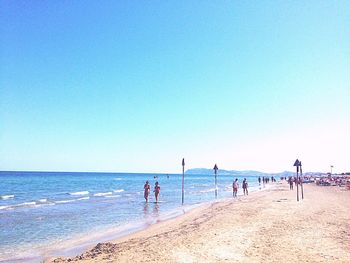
(129, 230)
(81, 243)
(242, 229)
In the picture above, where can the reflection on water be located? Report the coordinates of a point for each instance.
(156, 210)
(146, 210)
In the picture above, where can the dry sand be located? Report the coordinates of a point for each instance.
(267, 226)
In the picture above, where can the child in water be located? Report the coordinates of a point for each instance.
(147, 189)
(156, 191)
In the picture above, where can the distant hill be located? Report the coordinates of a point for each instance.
(237, 173)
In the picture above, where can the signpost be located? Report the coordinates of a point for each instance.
(183, 180)
(216, 181)
(297, 163)
(301, 181)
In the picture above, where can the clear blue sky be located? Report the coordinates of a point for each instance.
(134, 86)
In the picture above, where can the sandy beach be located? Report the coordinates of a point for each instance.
(267, 226)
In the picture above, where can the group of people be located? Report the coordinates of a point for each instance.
(293, 180)
(147, 190)
(266, 180)
(235, 187)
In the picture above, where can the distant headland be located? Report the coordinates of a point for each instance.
(243, 173)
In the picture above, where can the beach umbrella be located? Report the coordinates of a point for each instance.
(297, 163)
(216, 182)
(183, 180)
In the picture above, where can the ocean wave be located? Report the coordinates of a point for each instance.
(80, 193)
(103, 194)
(5, 197)
(118, 179)
(44, 200)
(65, 201)
(43, 204)
(84, 198)
(25, 204)
(118, 190)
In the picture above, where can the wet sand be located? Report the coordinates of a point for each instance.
(267, 226)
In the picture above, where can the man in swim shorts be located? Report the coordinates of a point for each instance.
(235, 188)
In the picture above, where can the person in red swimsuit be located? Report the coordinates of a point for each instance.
(156, 191)
(147, 189)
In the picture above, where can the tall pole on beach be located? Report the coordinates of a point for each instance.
(296, 163)
(301, 181)
(331, 169)
(216, 181)
(183, 180)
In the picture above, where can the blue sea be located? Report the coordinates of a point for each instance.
(61, 213)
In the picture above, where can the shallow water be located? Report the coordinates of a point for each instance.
(43, 212)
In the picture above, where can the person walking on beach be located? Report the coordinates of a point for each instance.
(235, 188)
(245, 186)
(156, 191)
(147, 189)
(290, 181)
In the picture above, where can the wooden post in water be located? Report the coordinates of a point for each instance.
(183, 180)
(216, 181)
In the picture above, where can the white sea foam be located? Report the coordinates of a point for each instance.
(84, 198)
(65, 201)
(103, 194)
(44, 200)
(5, 197)
(118, 190)
(25, 204)
(3, 207)
(80, 193)
(118, 179)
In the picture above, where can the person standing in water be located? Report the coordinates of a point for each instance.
(147, 189)
(235, 188)
(245, 186)
(156, 191)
